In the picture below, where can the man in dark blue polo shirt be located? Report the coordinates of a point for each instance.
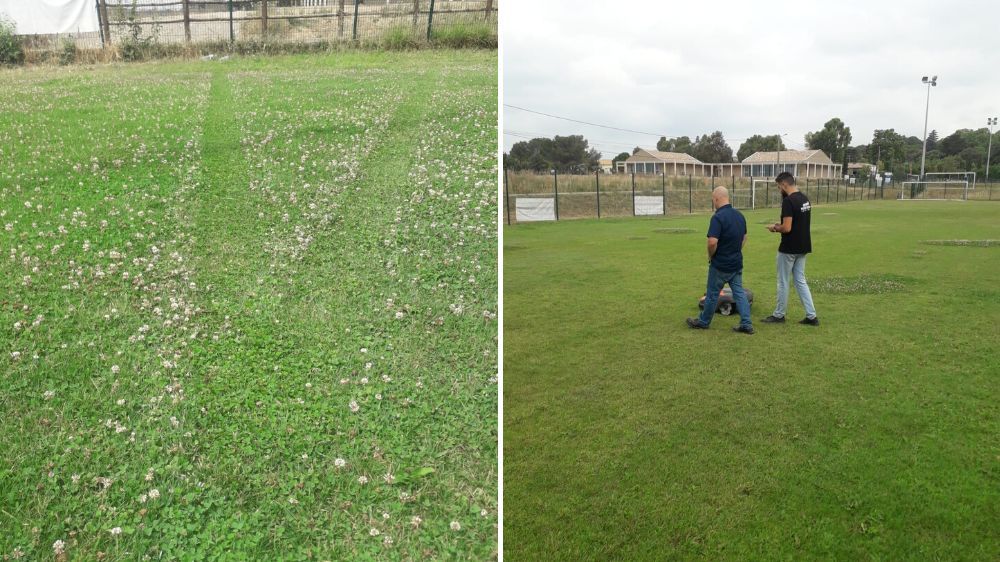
(727, 233)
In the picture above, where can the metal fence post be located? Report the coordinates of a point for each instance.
(489, 8)
(633, 194)
(354, 33)
(430, 20)
(232, 32)
(555, 177)
(597, 181)
(663, 186)
(506, 192)
(690, 187)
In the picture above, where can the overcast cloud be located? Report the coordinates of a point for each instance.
(761, 66)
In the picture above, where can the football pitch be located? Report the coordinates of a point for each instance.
(874, 436)
(248, 309)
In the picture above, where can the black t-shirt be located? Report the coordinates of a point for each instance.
(797, 241)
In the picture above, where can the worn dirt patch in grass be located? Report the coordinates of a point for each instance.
(673, 230)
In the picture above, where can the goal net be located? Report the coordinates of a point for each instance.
(934, 190)
(744, 197)
(950, 176)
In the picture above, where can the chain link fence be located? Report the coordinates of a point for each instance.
(172, 22)
(535, 197)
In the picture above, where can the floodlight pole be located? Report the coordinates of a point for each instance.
(990, 121)
(927, 110)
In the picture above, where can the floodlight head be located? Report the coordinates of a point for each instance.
(934, 79)
(924, 79)
(552, 171)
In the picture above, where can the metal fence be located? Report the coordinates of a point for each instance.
(600, 195)
(292, 21)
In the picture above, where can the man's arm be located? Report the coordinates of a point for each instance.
(713, 245)
(785, 226)
(744, 242)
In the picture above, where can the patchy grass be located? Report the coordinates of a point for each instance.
(975, 243)
(866, 284)
(674, 230)
(875, 436)
(249, 309)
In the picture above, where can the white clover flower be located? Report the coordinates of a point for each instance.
(59, 547)
(49, 394)
(116, 531)
(416, 521)
(374, 532)
(456, 526)
(115, 369)
(354, 406)
(362, 479)
(339, 463)
(154, 493)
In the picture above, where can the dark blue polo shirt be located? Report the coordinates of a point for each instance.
(729, 226)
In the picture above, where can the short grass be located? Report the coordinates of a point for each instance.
(248, 309)
(875, 436)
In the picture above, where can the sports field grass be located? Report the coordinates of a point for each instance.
(875, 436)
(248, 309)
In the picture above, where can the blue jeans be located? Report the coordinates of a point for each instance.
(793, 265)
(716, 280)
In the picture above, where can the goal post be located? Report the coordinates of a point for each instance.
(744, 197)
(949, 190)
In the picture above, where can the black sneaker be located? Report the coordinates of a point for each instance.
(695, 324)
(744, 329)
(810, 321)
(772, 319)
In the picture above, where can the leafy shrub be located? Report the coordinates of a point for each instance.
(400, 38)
(68, 53)
(464, 35)
(11, 49)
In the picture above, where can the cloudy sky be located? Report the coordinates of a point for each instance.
(756, 66)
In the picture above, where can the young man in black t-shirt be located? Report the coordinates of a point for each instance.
(795, 245)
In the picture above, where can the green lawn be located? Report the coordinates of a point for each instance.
(248, 309)
(875, 436)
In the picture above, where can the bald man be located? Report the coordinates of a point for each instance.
(727, 233)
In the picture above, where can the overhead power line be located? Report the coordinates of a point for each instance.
(612, 127)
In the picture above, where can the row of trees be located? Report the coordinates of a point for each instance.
(963, 150)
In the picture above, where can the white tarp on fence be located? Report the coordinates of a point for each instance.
(648, 205)
(535, 209)
(51, 16)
